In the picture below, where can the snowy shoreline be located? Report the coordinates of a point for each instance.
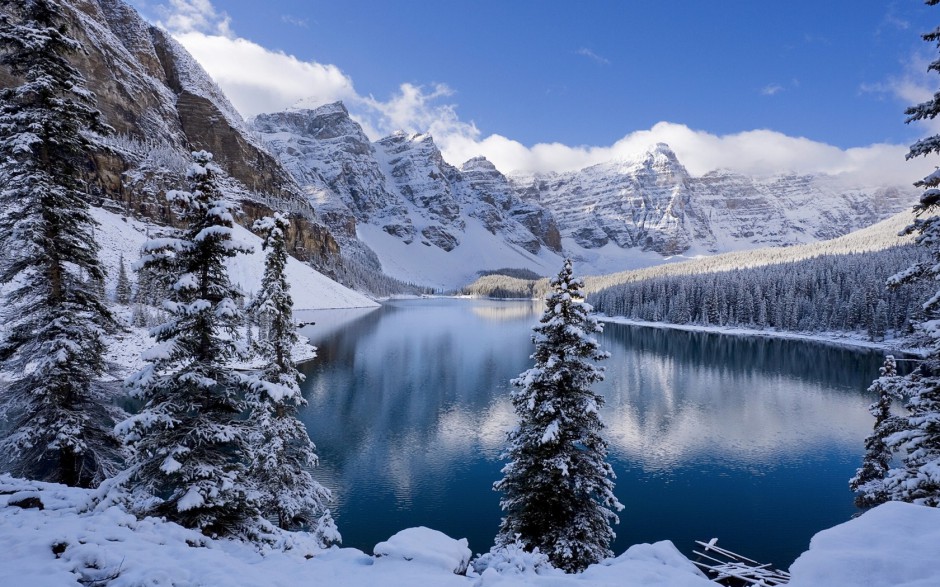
(75, 538)
(840, 339)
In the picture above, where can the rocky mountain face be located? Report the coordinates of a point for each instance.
(651, 203)
(162, 105)
(400, 184)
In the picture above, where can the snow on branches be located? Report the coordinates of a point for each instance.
(557, 486)
(189, 440)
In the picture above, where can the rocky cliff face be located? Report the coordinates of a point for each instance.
(400, 184)
(651, 203)
(162, 105)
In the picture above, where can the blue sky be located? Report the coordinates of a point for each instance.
(539, 85)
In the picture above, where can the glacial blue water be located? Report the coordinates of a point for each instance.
(750, 440)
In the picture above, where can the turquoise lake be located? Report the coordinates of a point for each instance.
(748, 439)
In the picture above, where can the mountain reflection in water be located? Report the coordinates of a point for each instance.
(748, 439)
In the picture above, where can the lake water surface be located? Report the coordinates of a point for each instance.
(751, 440)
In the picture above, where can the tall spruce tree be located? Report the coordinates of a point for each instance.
(122, 292)
(189, 441)
(917, 480)
(558, 486)
(281, 449)
(57, 421)
(868, 481)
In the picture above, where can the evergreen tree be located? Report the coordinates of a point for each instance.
(282, 452)
(122, 293)
(58, 421)
(868, 481)
(918, 478)
(190, 445)
(558, 487)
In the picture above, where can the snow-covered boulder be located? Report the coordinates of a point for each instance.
(427, 547)
(893, 545)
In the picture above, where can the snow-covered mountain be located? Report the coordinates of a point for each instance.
(652, 204)
(430, 222)
(162, 105)
(361, 208)
(426, 220)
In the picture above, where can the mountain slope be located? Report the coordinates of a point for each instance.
(121, 236)
(424, 220)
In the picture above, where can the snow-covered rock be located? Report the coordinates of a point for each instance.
(893, 545)
(423, 546)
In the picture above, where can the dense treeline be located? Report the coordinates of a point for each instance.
(502, 287)
(878, 237)
(825, 293)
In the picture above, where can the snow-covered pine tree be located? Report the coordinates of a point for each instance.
(868, 481)
(57, 419)
(189, 441)
(282, 453)
(558, 486)
(917, 480)
(122, 293)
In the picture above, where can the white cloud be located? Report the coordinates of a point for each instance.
(257, 79)
(916, 84)
(185, 16)
(771, 89)
(585, 52)
(759, 152)
(300, 22)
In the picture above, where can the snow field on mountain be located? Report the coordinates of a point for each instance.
(432, 266)
(311, 290)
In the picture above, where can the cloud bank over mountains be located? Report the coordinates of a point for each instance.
(257, 80)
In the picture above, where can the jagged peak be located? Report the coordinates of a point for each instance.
(309, 105)
(400, 136)
(661, 149)
(479, 163)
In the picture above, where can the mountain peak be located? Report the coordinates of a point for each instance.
(661, 149)
(312, 105)
(478, 163)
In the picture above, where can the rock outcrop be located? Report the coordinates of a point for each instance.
(162, 105)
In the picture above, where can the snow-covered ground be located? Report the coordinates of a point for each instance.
(846, 339)
(75, 539)
(311, 290)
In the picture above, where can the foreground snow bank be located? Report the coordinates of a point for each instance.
(56, 536)
(894, 545)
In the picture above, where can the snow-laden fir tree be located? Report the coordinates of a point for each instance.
(558, 486)
(189, 441)
(868, 481)
(281, 450)
(122, 292)
(917, 480)
(57, 420)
